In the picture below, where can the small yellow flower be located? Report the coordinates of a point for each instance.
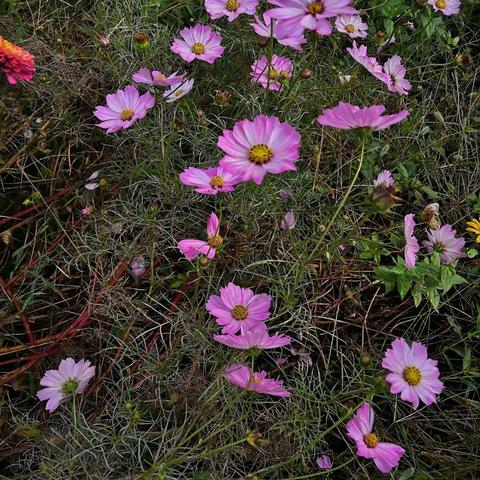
(474, 227)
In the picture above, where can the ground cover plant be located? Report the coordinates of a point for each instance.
(239, 239)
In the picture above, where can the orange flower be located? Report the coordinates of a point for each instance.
(16, 63)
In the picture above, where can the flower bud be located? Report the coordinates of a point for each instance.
(137, 266)
(380, 385)
(141, 40)
(204, 261)
(365, 360)
(104, 41)
(253, 436)
(263, 41)
(306, 73)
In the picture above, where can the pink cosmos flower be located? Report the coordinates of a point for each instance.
(154, 77)
(411, 243)
(210, 181)
(414, 375)
(289, 221)
(15, 62)
(239, 309)
(231, 8)
(370, 63)
(243, 377)
(178, 90)
(280, 69)
(395, 71)
(138, 266)
(352, 25)
(192, 248)
(257, 338)
(384, 178)
(263, 27)
(123, 109)
(447, 7)
(325, 462)
(199, 42)
(255, 148)
(309, 14)
(87, 211)
(443, 241)
(385, 455)
(71, 378)
(348, 116)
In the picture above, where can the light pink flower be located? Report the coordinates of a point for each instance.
(199, 42)
(71, 378)
(447, 7)
(230, 8)
(138, 266)
(385, 455)
(255, 148)
(293, 38)
(123, 109)
(210, 181)
(360, 54)
(178, 90)
(348, 116)
(411, 243)
(192, 248)
(239, 309)
(443, 241)
(156, 78)
(104, 41)
(309, 14)
(352, 25)
(384, 178)
(395, 71)
(243, 377)
(280, 69)
(87, 211)
(414, 375)
(325, 462)
(91, 184)
(289, 221)
(256, 338)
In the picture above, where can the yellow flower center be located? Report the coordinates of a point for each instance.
(160, 78)
(350, 28)
(260, 154)
(239, 312)
(412, 375)
(127, 114)
(371, 440)
(441, 4)
(232, 5)
(216, 181)
(272, 74)
(70, 386)
(315, 7)
(254, 379)
(215, 241)
(179, 92)
(283, 74)
(198, 48)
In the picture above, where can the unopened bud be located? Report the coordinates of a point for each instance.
(365, 360)
(263, 41)
(141, 40)
(306, 73)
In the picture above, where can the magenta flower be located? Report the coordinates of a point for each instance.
(385, 455)
(255, 148)
(293, 38)
(199, 42)
(210, 181)
(280, 69)
(123, 109)
(348, 116)
(395, 71)
(192, 248)
(309, 14)
(256, 338)
(411, 243)
(156, 78)
(384, 178)
(289, 221)
(243, 377)
(230, 8)
(447, 7)
(443, 241)
(71, 378)
(370, 63)
(15, 62)
(178, 90)
(239, 309)
(138, 266)
(324, 462)
(352, 25)
(413, 374)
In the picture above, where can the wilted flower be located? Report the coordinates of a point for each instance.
(431, 215)
(210, 181)
(447, 7)
(199, 42)
(156, 78)
(414, 375)
(443, 241)
(280, 69)
(104, 41)
(141, 40)
(71, 378)
(352, 25)
(243, 377)
(87, 211)
(255, 148)
(230, 8)
(289, 221)
(15, 63)
(324, 462)
(138, 266)
(344, 78)
(222, 97)
(385, 455)
(474, 227)
(178, 90)
(239, 309)
(284, 194)
(256, 338)
(411, 243)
